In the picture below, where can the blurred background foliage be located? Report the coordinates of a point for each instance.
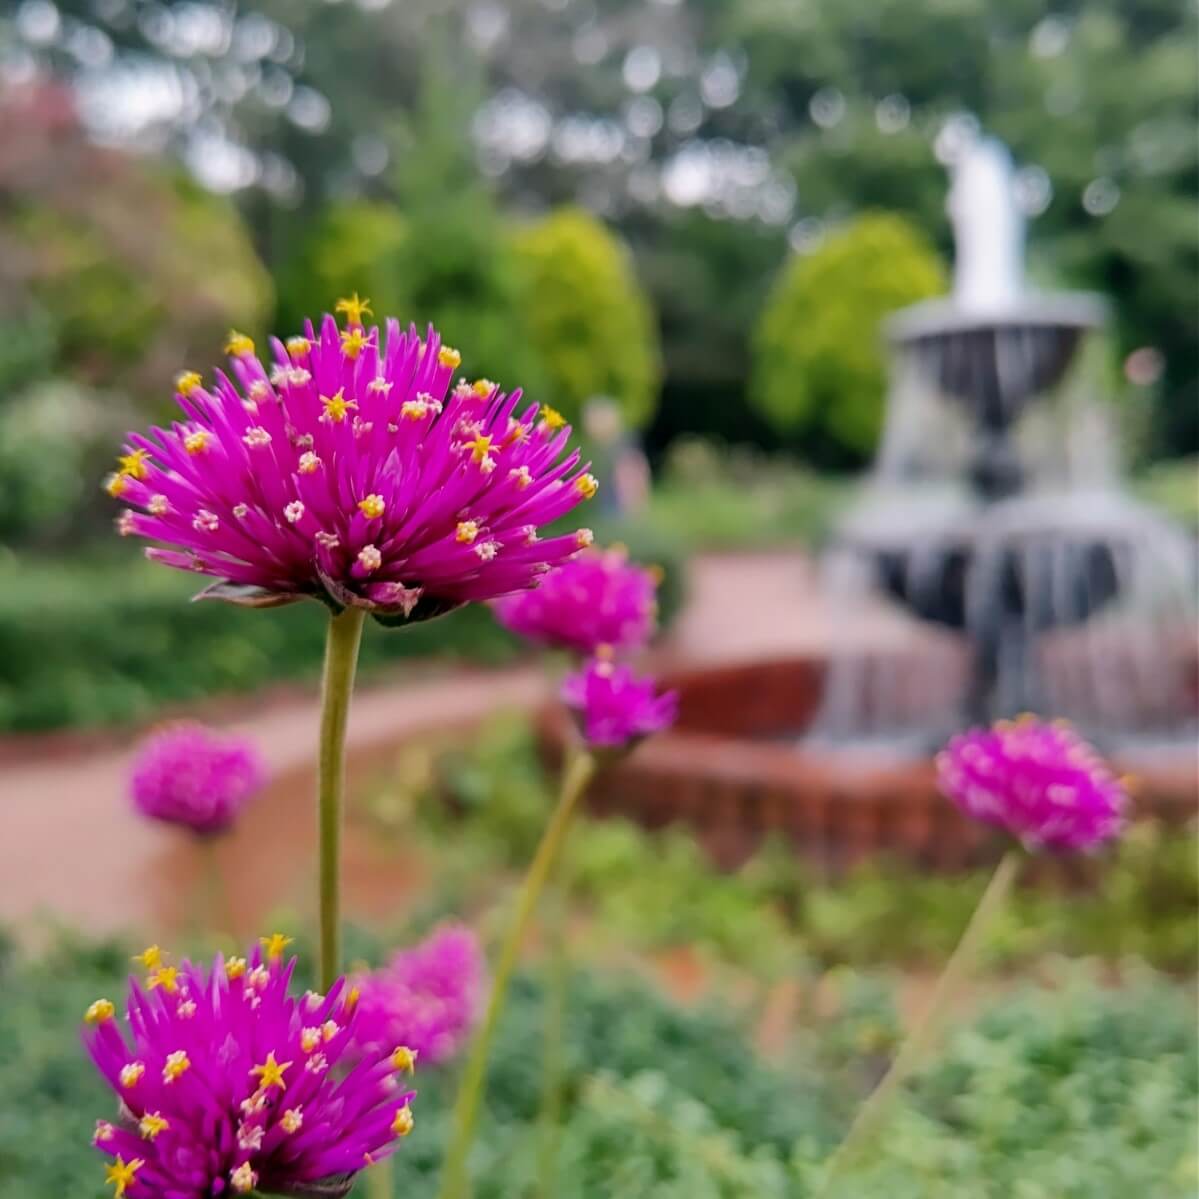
(697, 209)
(815, 376)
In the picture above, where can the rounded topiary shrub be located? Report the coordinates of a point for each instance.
(588, 318)
(819, 367)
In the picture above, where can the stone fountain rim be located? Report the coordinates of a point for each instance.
(944, 316)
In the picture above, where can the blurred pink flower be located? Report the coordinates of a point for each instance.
(597, 599)
(1040, 782)
(614, 707)
(190, 775)
(427, 997)
(348, 470)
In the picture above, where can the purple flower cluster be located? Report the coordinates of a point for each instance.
(192, 776)
(352, 471)
(598, 599)
(614, 707)
(428, 996)
(227, 1084)
(1040, 782)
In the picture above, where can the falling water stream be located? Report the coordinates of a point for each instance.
(994, 519)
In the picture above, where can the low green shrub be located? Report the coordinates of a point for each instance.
(481, 809)
(111, 640)
(1077, 1092)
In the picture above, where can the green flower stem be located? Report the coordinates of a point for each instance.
(557, 984)
(380, 1180)
(337, 684)
(575, 777)
(870, 1115)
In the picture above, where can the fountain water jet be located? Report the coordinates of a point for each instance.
(994, 512)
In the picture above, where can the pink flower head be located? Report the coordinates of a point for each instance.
(426, 997)
(349, 470)
(597, 599)
(1041, 782)
(190, 775)
(227, 1084)
(614, 707)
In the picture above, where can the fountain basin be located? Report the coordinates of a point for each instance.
(733, 771)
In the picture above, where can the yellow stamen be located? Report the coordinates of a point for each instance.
(310, 1038)
(292, 1119)
(187, 382)
(100, 1012)
(551, 417)
(274, 945)
(238, 344)
(583, 538)
(401, 1126)
(297, 347)
(235, 968)
(330, 1029)
(354, 309)
(448, 356)
(352, 996)
(115, 485)
(151, 1124)
(121, 1173)
(270, 1073)
(134, 464)
(164, 977)
(310, 463)
(369, 558)
(337, 406)
(483, 388)
(353, 340)
(131, 1074)
(371, 507)
(103, 1132)
(197, 442)
(404, 1059)
(479, 446)
(468, 530)
(177, 1063)
(587, 486)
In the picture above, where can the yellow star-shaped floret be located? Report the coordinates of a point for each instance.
(187, 382)
(480, 446)
(165, 977)
(353, 340)
(238, 345)
(274, 945)
(354, 309)
(121, 1173)
(133, 464)
(100, 1012)
(151, 1124)
(551, 417)
(336, 406)
(270, 1073)
(150, 957)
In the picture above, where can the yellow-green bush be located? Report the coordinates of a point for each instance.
(588, 317)
(818, 365)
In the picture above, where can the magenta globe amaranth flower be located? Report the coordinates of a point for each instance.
(349, 470)
(228, 1084)
(426, 997)
(192, 776)
(615, 707)
(597, 599)
(1040, 782)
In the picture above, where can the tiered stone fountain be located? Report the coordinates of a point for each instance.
(994, 528)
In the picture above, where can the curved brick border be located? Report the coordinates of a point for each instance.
(719, 772)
